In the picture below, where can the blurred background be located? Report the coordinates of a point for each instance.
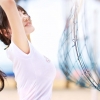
(49, 19)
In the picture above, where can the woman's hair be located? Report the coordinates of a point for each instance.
(2, 76)
(4, 26)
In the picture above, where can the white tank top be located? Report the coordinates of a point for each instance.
(34, 73)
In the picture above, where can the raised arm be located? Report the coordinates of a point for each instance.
(18, 33)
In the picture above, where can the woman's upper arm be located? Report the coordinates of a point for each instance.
(18, 33)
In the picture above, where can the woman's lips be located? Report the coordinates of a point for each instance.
(28, 24)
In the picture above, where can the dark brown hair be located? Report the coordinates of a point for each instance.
(4, 25)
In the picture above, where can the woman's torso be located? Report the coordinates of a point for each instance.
(34, 73)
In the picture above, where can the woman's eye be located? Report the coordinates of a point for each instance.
(24, 12)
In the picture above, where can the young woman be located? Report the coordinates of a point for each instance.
(34, 73)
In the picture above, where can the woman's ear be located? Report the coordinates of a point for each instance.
(0, 32)
(6, 33)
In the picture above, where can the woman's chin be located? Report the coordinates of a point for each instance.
(30, 30)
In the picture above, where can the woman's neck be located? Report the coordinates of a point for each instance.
(29, 38)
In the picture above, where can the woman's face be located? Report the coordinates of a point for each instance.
(27, 23)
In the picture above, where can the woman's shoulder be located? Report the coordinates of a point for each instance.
(15, 51)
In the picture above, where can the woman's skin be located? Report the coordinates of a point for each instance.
(20, 24)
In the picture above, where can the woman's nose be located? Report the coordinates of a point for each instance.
(25, 18)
